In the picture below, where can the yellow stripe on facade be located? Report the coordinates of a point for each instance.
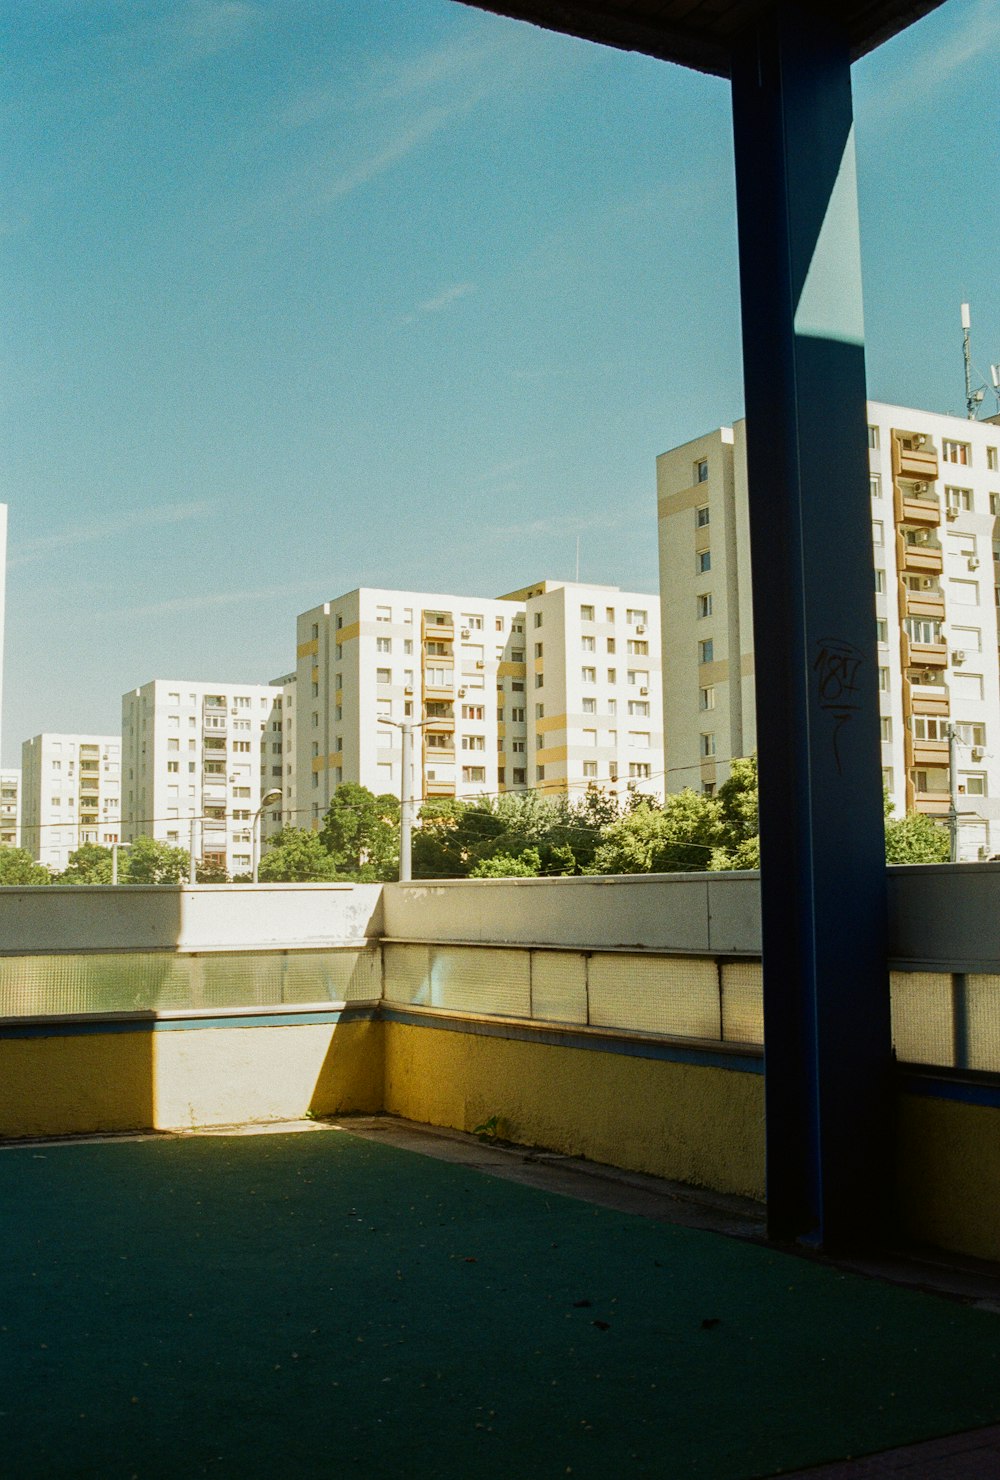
(348, 634)
(554, 722)
(307, 649)
(552, 756)
(511, 670)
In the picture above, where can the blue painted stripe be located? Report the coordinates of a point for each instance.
(748, 1061)
(84, 1027)
(965, 1089)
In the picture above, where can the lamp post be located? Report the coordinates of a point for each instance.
(267, 800)
(406, 728)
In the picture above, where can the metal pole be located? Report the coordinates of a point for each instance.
(406, 804)
(192, 861)
(114, 863)
(255, 841)
(952, 795)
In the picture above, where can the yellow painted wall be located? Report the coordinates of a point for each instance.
(87, 1083)
(949, 1175)
(687, 1122)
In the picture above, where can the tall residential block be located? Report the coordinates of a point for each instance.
(935, 502)
(196, 760)
(10, 809)
(553, 687)
(70, 795)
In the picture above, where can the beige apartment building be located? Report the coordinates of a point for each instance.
(10, 809)
(196, 760)
(935, 501)
(554, 687)
(70, 795)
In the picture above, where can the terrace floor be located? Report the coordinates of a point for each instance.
(375, 1299)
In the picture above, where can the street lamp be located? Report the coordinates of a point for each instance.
(406, 728)
(267, 800)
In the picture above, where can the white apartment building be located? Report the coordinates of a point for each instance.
(10, 809)
(70, 795)
(935, 501)
(196, 760)
(286, 813)
(554, 687)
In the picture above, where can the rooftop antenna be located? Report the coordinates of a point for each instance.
(973, 399)
(995, 377)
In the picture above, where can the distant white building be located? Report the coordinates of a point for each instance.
(284, 814)
(935, 499)
(70, 795)
(554, 687)
(10, 809)
(196, 760)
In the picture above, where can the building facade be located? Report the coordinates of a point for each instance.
(70, 795)
(554, 687)
(10, 809)
(935, 501)
(196, 760)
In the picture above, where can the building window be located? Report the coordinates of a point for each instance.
(957, 452)
(539, 680)
(538, 619)
(590, 706)
(588, 675)
(173, 767)
(701, 470)
(517, 716)
(636, 616)
(958, 498)
(383, 644)
(878, 532)
(589, 769)
(886, 725)
(881, 630)
(638, 649)
(520, 775)
(586, 614)
(873, 438)
(706, 746)
(612, 675)
(539, 711)
(704, 559)
(883, 680)
(611, 645)
(875, 485)
(879, 581)
(975, 783)
(589, 737)
(539, 648)
(638, 676)
(638, 708)
(991, 459)
(639, 770)
(706, 697)
(588, 644)
(383, 675)
(706, 651)
(705, 605)
(539, 773)
(472, 742)
(702, 516)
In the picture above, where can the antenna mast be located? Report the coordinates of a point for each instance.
(973, 399)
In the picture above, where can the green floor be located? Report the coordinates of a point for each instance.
(316, 1304)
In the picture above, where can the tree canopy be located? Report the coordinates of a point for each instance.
(361, 834)
(17, 867)
(296, 855)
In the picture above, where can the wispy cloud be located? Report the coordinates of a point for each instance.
(555, 526)
(106, 529)
(396, 106)
(210, 602)
(935, 63)
(204, 28)
(439, 301)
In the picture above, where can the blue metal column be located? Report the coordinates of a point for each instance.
(826, 1009)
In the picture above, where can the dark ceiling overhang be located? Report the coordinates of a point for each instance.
(702, 33)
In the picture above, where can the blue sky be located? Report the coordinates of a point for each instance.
(305, 294)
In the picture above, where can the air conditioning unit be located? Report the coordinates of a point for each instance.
(958, 657)
(920, 487)
(978, 752)
(407, 690)
(644, 690)
(918, 441)
(466, 632)
(973, 562)
(950, 513)
(480, 663)
(640, 628)
(461, 693)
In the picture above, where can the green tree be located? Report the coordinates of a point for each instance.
(361, 833)
(88, 864)
(148, 861)
(296, 855)
(439, 844)
(210, 873)
(526, 865)
(916, 839)
(17, 867)
(678, 837)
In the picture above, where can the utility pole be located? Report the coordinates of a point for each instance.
(952, 793)
(973, 399)
(406, 728)
(193, 853)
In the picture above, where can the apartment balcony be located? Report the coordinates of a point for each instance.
(923, 655)
(920, 463)
(439, 724)
(926, 698)
(439, 755)
(925, 753)
(438, 627)
(214, 726)
(439, 788)
(932, 803)
(923, 604)
(918, 559)
(443, 692)
(916, 508)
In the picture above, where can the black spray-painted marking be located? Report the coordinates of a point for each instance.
(836, 668)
